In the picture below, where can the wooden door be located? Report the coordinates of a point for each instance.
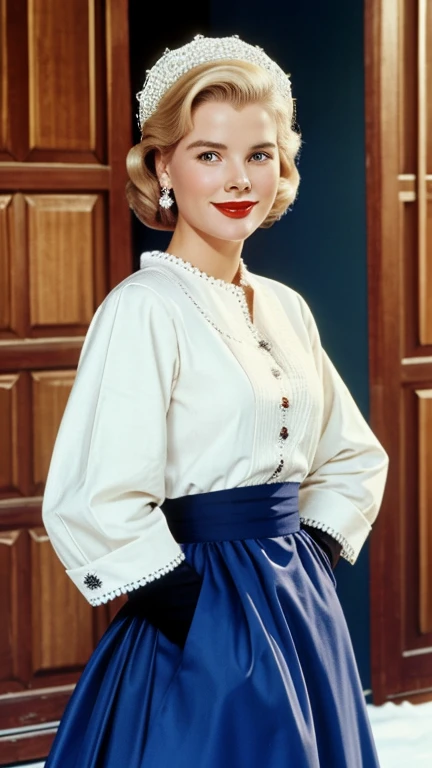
(65, 128)
(399, 172)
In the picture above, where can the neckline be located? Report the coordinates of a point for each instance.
(186, 265)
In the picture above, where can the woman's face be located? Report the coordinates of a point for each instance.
(225, 172)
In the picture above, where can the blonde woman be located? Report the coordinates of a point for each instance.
(211, 464)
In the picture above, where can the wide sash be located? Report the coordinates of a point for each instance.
(252, 512)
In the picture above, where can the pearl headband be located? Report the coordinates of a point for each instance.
(174, 64)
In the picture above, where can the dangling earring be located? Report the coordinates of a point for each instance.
(165, 200)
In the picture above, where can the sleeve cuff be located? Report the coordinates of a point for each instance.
(337, 516)
(125, 569)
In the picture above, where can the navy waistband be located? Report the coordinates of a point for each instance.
(253, 512)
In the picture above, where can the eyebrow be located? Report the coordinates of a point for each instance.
(217, 145)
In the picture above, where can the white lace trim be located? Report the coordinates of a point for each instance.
(232, 287)
(123, 590)
(348, 552)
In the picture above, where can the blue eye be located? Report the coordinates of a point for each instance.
(260, 156)
(207, 157)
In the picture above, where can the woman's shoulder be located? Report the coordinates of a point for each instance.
(142, 287)
(130, 307)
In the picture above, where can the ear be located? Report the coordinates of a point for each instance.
(161, 164)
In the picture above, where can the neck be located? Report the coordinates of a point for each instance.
(218, 258)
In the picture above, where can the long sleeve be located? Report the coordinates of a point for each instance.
(105, 484)
(343, 490)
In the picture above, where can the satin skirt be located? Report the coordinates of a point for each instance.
(267, 677)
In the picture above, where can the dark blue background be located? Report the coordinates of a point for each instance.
(318, 248)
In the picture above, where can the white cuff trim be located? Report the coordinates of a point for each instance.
(334, 513)
(347, 550)
(125, 588)
(129, 566)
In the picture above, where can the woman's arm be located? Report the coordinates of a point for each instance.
(105, 485)
(342, 493)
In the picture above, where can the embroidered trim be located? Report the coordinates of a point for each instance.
(348, 552)
(138, 583)
(206, 316)
(92, 581)
(231, 287)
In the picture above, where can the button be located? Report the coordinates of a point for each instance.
(276, 373)
(278, 469)
(283, 433)
(265, 345)
(285, 402)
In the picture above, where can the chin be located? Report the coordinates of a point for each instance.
(229, 230)
(236, 229)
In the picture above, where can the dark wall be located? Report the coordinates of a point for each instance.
(319, 248)
(147, 42)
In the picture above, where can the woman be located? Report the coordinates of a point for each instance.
(211, 463)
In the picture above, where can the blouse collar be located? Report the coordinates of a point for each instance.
(168, 258)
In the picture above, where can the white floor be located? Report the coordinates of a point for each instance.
(403, 735)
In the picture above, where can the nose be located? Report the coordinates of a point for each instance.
(240, 183)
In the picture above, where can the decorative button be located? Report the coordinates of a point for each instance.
(91, 581)
(283, 433)
(265, 345)
(276, 373)
(285, 402)
(278, 469)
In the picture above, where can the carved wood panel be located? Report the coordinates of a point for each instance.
(425, 267)
(65, 226)
(66, 251)
(425, 508)
(62, 98)
(53, 263)
(62, 622)
(5, 265)
(9, 443)
(14, 637)
(3, 79)
(424, 168)
(14, 90)
(49, 629)
(60, 111)
(399, 173)
(51, 390)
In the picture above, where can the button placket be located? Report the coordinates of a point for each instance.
(267, 347)
(263, 344)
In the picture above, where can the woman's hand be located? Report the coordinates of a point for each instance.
(169, 603)
(328, 544)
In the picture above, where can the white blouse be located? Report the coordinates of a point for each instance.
(178, 392)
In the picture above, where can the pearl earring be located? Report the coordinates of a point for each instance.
(165, 200)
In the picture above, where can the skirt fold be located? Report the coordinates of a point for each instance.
(267, 676)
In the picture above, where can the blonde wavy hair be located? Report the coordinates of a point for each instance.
(237, 82)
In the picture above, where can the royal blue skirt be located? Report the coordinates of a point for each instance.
(267, 676)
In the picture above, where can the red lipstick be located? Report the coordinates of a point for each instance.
(236, 210)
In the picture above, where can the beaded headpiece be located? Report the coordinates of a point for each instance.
(174, 64)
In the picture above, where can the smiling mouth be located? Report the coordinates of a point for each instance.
(236, 210)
